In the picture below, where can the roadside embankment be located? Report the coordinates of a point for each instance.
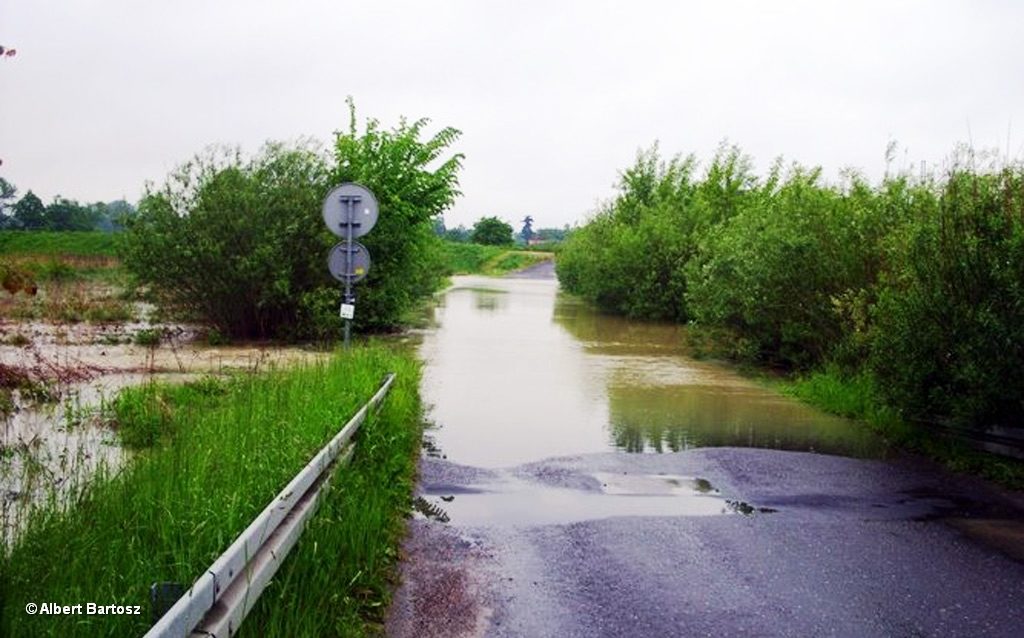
(211, 454)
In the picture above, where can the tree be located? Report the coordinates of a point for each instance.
(30, 213)
(67, 214)
(241, 243)
(492, 231)
(7, 194)
(527, 232)
(458, 234)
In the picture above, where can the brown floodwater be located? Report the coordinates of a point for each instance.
(55, 448)
(517, 372)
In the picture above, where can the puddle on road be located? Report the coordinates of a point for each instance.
(517, 373)
(514, 502)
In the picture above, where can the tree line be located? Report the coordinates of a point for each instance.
(30, 213)
(494, 231)
(914, 284)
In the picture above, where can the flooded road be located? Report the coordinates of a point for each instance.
(517, 373)
(585, 477)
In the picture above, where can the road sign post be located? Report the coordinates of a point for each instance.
(350, 210)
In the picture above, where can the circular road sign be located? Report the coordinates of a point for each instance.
(350, 198)
(360, 262)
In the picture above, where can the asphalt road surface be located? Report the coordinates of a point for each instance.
(801, 545)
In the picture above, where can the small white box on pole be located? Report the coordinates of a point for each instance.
(348, 311)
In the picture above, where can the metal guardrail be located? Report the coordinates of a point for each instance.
(219, 600)
(1004, 441)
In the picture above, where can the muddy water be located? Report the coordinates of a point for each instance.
(55, 448)
(517, 372)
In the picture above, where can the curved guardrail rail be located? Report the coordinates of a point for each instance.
(219, 600)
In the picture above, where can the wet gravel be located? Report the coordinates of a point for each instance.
(852, 548)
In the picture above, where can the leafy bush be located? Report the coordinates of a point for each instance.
(781, 272)
(912, 289)
(414, 183)
(148, 337)
(241, 243)
(629, 259)
(948, 333)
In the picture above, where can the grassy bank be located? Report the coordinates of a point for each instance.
(857, 397)
(212, 457)
(476, 259)
(53, 243)
(76, 274)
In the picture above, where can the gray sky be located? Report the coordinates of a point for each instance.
(553, 98)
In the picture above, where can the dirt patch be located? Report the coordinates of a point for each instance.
(442, 593)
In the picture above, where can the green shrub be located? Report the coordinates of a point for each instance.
(629, 258)
(147, 337)
(783, 271)
(948, 333)
(241, 243)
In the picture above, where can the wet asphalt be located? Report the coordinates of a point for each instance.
(830, 547)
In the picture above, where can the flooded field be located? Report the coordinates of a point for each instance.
(517, 372)
(53, 436)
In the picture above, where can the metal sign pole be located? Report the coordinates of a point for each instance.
(349, 201)
(350, 210)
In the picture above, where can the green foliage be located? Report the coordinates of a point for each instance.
(512, 261)
(30, 213)
(148, 337)
(782, 272)
(918, 284)
(458, 234)
(415, 181)
(861, 396)
(232, 241)
(465, 258)
(629, 259)
(145, 415)
(54, 244)
(66, 214)
(948, 332)
(491, 231)
(242, 245)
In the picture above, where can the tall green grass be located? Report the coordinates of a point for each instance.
(857, 396)
(476, 259)
(216, 462)
(467, 259)
(57, 243)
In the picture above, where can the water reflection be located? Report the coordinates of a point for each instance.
(679, 417)
(517, 372)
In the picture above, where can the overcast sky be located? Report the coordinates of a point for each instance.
(553, 98)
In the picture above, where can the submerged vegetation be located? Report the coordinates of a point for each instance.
(911, 290)
(211, 455)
